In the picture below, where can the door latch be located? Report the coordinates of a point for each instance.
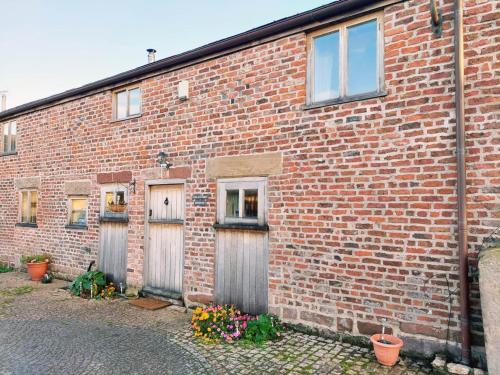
(166, 201)
(150, 213)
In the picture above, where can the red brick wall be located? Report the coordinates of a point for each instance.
(364, 212)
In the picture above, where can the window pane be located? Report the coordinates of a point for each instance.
(121, 105)
(120, 197)
(232, 203)
(251, 203)
(13, 136)
(134, 102)
(326, 67)
(6, 138)
(33, 211)
(362, 58)
(78, 218)
(110, 199)
(25, 209)
(78, 212)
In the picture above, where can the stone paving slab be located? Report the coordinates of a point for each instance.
(48, 331)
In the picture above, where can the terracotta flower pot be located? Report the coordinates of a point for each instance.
(37, 270)
(387, 354)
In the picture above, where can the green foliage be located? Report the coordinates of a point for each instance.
(92, 283)
(36, 258)
(4, 267)
(265, 327)
(92, 280)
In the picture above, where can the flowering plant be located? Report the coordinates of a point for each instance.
(228, 324)
(219, 323)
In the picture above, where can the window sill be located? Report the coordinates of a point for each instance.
(76, 227)
(11, 153)
(347, 99)
(27, 225)
(111, 219)
(126, 118)
(252, 227)
(166, 221)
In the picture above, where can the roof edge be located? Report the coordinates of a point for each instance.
(268, 30)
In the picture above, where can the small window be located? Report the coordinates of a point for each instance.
(242, 201)
(127, 103)
(346, 61)
(9, 137)
(29, 204)
(78, 211)
(114, 201)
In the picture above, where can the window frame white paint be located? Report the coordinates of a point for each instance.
(241, 184)
(10, 136)
(115, 102)
(341, 28)
(70, 209)
(20, 213)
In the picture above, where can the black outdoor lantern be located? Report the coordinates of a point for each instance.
(162, 160)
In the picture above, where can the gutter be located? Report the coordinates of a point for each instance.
(344, 8)
(461, 184)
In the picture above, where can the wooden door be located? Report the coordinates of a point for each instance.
(242, 244)
(113, 251)
(242, 269)
(165, 238)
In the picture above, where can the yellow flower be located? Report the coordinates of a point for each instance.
(209, 329)
(198, 310)
(204, 316)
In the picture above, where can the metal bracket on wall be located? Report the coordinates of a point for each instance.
(436, 18)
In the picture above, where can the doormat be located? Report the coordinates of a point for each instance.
(149, 303)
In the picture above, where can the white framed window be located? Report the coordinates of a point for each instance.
(345, 61)
(242, 201)
(9, 142)
(77, 211)
(28, 206)
(114, 201)
(127, 103)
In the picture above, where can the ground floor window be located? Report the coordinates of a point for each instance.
(114, 201)
(242, 201)
(28, 209)
(78, 211)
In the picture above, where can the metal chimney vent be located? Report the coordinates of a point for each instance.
(151, 55)
(3, 100)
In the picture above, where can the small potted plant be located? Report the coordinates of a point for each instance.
(386, 348)
(37, 265)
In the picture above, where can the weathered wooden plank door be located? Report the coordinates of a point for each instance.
(241, 280)
(113, 251)
(165, 230)
(242, 244)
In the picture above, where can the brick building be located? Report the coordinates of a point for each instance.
(306, 168)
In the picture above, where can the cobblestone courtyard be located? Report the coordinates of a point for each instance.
(45, 330)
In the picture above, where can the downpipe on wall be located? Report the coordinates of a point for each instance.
(461, 184)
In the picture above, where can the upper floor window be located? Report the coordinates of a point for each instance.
(127, 103)
(346, 61)
(9, 137)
